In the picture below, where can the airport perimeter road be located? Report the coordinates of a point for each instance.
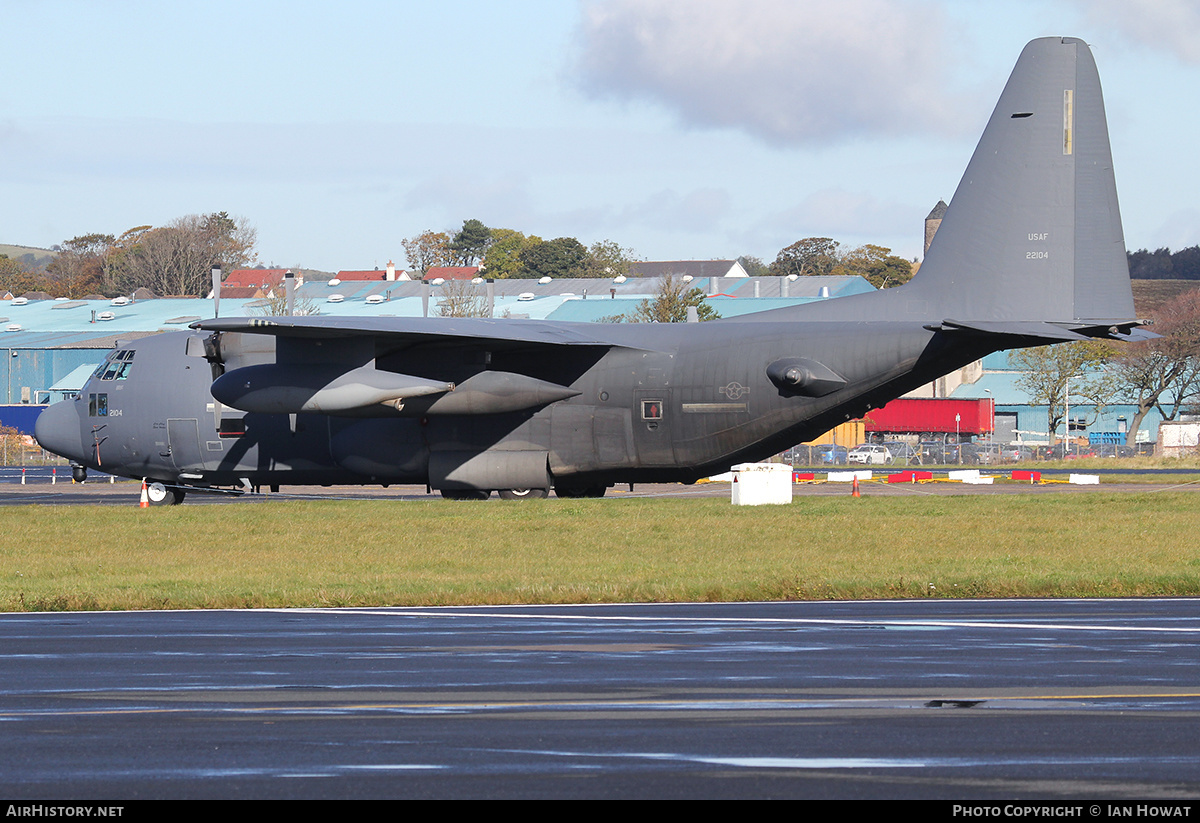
(980, 700)
(126, 493)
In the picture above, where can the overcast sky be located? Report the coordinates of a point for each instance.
(684, 129)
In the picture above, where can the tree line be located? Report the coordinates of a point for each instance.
(171, 260)
(176, 259)
(1163, 264)
(508, 253)
(825, 256)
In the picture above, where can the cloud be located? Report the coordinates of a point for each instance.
(499, 200)
(1170, 25)
(700, 210)
(786, 71)
(837, 213)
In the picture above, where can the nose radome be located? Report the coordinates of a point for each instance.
(57, 430)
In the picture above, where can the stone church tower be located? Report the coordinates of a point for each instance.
(933, 221)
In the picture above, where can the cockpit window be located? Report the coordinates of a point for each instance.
(116, 366)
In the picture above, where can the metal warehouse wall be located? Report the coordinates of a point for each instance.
(26, 372)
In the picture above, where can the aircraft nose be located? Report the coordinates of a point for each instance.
(57, 430)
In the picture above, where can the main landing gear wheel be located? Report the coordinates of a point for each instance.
(522, 494)
(466, 494)
(160, 494)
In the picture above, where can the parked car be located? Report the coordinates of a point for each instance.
(830, 454)
(989, 454)
(1072, 451)
(870, 453)
(932, 451)
(797, 455)
(1022, 454)
(962, 454)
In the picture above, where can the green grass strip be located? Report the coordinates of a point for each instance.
(376, 553)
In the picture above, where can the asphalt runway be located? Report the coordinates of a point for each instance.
(957, 700)
(127, 493)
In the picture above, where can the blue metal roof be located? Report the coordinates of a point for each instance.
(99, 323)
(73, 381)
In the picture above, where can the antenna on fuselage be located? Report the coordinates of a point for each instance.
(216, 277)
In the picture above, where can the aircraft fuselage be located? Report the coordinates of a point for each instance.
(697, 403)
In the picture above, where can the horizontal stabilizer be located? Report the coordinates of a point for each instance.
(1012, 328)
(1125, 331)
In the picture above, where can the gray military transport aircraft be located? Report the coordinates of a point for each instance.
(1030, 252)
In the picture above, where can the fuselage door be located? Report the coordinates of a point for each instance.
(183, 439)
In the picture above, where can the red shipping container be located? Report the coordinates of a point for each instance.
(913, 415)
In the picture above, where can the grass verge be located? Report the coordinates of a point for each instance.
(372, 553)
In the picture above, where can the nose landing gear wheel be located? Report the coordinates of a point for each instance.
(160, 494)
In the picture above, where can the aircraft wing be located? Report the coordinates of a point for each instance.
(418, 329)
(327, 365)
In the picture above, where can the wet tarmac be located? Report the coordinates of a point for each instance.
(955, 700)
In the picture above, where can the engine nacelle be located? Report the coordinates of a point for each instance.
(290, 389)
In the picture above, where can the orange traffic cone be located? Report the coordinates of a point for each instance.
(854, 491)
(145, 504)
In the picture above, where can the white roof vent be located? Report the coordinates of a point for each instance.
(119, 301)
(620, 278)
(687, 278)
(106, 315)
(14, 327)
(335, 298)
(525, 296)
(375, 299)
(545, 280)
(20, 301)
(335, 282)
(437, 281)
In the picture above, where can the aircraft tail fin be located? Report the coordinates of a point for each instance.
(1033, 232)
